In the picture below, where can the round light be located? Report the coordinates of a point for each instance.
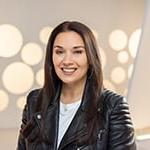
(118, 75)
(118, 40)
(11, 40)
(40, 77)
(32, 53)
(18, 78)
(21, 102)
(134, 42)
(3, 100)
(45, 33)
(123, 57)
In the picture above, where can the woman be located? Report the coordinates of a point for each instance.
(73, 111)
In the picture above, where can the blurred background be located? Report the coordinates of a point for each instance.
(122, 29)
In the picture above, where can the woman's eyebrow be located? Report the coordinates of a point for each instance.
(76, 47)
(57, 46)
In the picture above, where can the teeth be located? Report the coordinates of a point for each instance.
(69, 70)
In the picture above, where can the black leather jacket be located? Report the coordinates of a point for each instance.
(115, 131)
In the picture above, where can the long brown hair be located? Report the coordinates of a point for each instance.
(51, 80)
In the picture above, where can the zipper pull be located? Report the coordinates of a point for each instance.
(100, 134)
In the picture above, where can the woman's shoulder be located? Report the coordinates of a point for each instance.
(31, 101)
(33, 96)
(113, 99)
(34, 93)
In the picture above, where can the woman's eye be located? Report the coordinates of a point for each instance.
(78, 52)
(59, 52)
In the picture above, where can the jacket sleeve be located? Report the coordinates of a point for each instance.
(22, 143)
(21, 140)
(121, 132)
(29, 128)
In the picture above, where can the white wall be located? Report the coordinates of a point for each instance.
(139, 90)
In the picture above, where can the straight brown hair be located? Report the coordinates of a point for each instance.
(51, 81)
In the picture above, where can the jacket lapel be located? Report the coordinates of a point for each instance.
(76, 130)
(51, 122)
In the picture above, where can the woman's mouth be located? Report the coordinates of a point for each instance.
(69, 71)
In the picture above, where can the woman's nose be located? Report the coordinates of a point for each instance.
(67, 59)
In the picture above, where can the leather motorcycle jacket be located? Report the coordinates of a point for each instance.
(114, 132)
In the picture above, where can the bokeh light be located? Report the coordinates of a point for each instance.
(40, 77)
(21, 102)
(118, 75)
(18, 78)
(117, 40)
(45, 33)
(123, 57)
(11, 40)
(4, 100)
(134, 42)
(32, 53)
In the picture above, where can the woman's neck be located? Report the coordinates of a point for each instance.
(72, 92)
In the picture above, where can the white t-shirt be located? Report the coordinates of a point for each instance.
(66, 114)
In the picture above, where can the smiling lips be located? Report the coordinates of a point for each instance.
(68, 71)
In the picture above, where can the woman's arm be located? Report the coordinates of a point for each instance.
(121, 134)
(21, 141)
(28, 124)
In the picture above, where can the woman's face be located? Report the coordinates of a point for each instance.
(69, 57)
